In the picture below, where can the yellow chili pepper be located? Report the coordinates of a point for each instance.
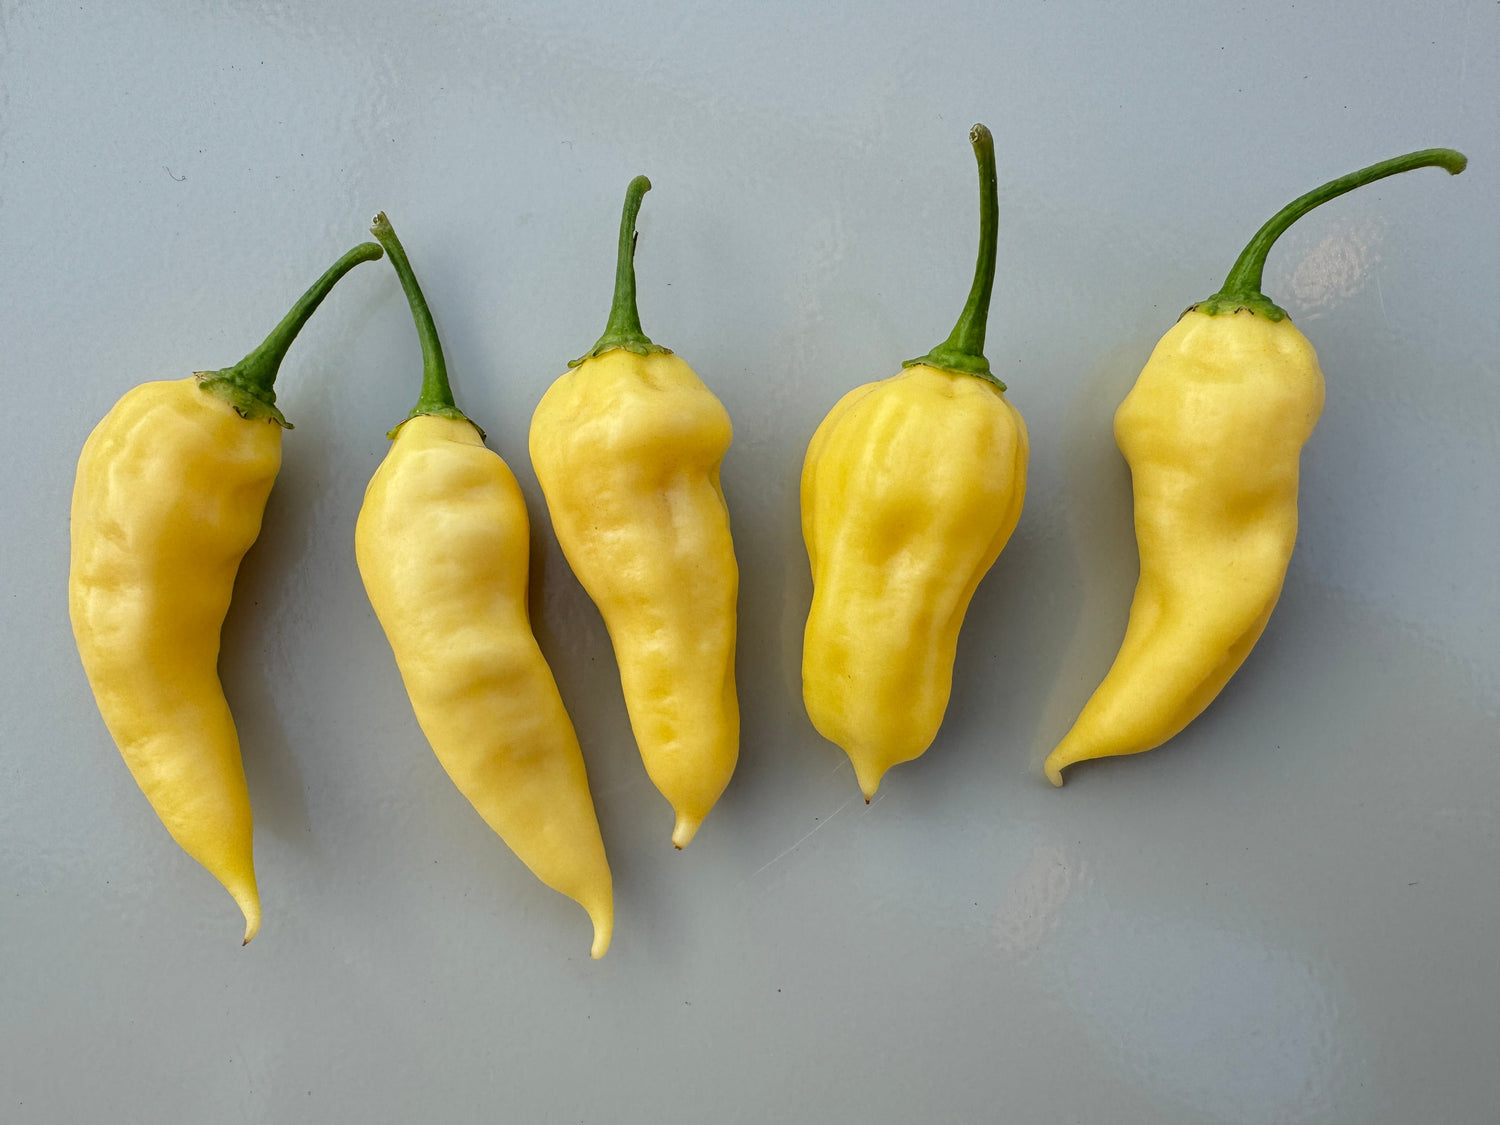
(627, 447)
(1213, 432)
(911, 488)
(444, 549)
(169, 496)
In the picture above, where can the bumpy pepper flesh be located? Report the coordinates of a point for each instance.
(627, 447)
(910, 489)
(169, 496)
(444, 549)
(1213, 432)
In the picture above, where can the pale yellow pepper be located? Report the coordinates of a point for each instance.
(170, 492)
(1213, 432)
(910, 489)
(627, 447)
(444, 549)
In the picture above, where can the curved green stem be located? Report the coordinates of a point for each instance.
(963, 351)
(250, 385)
(1241, 289)
(623, 329)
(436, 396)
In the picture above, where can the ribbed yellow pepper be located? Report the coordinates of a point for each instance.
(1213, 432)
(444, 549)
(627, 447)
(910, 489)
(169, 496)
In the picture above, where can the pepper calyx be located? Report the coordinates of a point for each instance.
(249, 402)
(637, 345)
(959, 363)
(452, 412)
(1227, 304)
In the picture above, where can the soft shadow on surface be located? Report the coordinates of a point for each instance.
(1054, 602)
(634, 819)
(1100, 527)
(248, 645)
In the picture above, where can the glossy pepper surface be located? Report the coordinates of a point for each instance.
(1213, 432)
(444, 549)
(910, 489)
(627, 447)
(170, 492)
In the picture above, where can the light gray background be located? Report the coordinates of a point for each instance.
(1289, 915)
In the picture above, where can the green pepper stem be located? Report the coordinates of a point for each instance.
(436, 396)
(623, 329)
(250, 385)
(963, 351)
(1241, 289)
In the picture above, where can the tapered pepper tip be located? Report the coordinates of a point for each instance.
(604, 929)
(248, 900)
(869, 780)
(684, 830)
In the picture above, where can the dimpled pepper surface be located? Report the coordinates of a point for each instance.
(169, 496)
(627, 447)
(910, 489)
(1213, 432)
(444, 549)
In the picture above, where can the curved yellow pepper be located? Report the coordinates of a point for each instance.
(910, 489)
(1213, 432)
(169, 496)
(627, 447)
(444, 549)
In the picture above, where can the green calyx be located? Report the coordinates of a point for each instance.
(436, 396)
(963, 351)
(1241, 289)
(623, 330)
(250, 385)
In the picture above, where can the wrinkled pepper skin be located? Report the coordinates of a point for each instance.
(1213, 432)
(627, 447)
(627, 450)
(170, 492)
(910, 489)
(443, 546)
(169, 496)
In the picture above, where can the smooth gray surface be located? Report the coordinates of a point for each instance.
(1288, 915)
